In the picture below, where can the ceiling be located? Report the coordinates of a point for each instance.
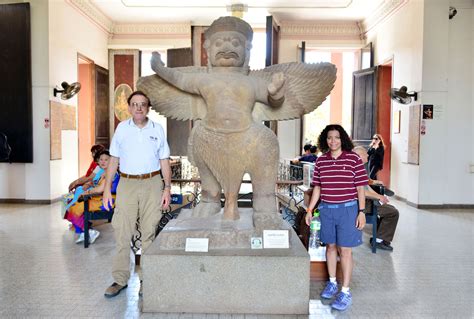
(203, 12)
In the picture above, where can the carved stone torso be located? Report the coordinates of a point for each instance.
(230, 98)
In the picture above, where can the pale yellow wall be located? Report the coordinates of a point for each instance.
(401, 38)
(32, 181)
(70, 33)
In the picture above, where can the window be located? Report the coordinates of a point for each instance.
(145, 71)
(337, 108)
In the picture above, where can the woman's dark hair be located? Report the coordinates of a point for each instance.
(380, 139)
(99, 153)
(138, 93)
(346, 142)
(97, 148)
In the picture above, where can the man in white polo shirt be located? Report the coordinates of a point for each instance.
(140, 147)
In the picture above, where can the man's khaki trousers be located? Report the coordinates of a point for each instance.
(135, 198)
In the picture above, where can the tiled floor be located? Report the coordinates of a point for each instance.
(43, 273)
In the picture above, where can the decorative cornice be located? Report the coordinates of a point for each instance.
(384, 11)
(178, 29)
(86, 8)
(339, 30)
(336, 30)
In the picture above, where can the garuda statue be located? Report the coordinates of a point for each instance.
(228, 104)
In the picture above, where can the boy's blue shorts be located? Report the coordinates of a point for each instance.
(338, 224)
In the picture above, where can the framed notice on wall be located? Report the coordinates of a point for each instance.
(413, 152)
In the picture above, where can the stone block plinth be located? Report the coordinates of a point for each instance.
(228, 281)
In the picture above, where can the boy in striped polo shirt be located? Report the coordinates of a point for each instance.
(339, 179)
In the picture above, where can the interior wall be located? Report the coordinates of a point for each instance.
(447, 84)
(31, 181)
(400, 38)
(70, 33)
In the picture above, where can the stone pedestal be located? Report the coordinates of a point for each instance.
(230, 281)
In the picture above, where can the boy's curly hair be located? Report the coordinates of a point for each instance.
(346, 142)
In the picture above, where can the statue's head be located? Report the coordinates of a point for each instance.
(228, 42)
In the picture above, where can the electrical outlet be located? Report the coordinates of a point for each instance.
(471, 168)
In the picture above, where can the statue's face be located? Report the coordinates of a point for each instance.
(227, 49)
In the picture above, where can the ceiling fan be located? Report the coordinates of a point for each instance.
(402, 96)
(68, 91)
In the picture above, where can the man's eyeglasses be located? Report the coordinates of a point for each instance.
(139, 104)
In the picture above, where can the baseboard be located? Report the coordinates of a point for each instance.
(29, 201)
(446, 206)
(431, 206)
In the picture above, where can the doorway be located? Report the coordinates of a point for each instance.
(384, 117)
(85, 111)
(371, 111)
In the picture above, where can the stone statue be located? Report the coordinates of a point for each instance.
(228, 104)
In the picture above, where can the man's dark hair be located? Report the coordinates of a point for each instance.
(100, 153)
(138, 93)
(307, 147)
(313, 149)
(346, 142)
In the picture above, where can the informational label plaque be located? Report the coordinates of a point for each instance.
(197, 244)
(256, 243)
(275, 239)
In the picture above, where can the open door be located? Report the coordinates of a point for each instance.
(371, 110)
(101, 90)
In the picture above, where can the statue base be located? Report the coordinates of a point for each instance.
(222, 233)
(228, 281)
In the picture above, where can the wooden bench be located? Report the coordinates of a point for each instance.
(93, 215)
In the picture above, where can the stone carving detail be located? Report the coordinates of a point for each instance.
(228, 104)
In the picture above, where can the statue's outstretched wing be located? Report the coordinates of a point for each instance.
(306, 87)
(170, 101)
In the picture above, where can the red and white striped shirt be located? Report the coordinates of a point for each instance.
(339, 177)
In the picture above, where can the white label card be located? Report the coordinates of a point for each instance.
(197, 244)
(275, 239)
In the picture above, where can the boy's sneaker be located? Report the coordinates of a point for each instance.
(80, 239)
(93, 234)
(330, 290)
(342, 301)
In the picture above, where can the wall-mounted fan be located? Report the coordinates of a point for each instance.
(68, 91)
(402, 96)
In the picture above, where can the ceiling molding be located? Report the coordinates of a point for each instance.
(86, 8)
(177, 29)
(383, 12)
(336, 30)
(290, 29)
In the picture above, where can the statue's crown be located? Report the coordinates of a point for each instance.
(230, 24)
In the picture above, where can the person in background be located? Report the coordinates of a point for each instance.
(376, 154)
(91, 171)
(75, 209)
(338, 181)
(308, 156)
(388, 213)
(140, 147)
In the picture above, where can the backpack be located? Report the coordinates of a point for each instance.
(5, 148)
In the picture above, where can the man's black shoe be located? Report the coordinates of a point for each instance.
(388, 192)
(384, 245)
